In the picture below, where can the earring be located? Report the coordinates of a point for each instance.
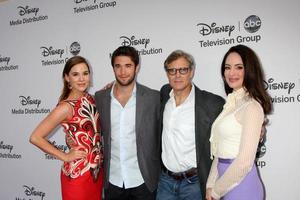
(69, 86)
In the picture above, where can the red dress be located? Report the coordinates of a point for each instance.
(82, 179)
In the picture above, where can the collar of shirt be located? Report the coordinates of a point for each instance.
(190, 97)
(113, 87)
(235, 98)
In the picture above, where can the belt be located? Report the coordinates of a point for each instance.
(180, 175)
(225, 160)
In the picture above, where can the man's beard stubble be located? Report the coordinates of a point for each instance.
(131, 80)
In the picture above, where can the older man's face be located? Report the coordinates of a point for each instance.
(182, 79)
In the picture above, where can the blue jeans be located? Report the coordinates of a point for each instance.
(171, 189)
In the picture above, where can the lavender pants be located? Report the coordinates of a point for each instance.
(250, 188)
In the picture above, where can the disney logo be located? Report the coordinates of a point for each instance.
(51, 51)
(205, 29)
(28, 101)
(271, 85)
(132, 41)
(6, 146)
(27, 10)
(80, 1)
(30, 191)
(4, 59)
(61, 147)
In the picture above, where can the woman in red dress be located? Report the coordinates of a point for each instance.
(82, 173)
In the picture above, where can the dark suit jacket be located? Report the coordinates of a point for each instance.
(207, 108)
(147, 132)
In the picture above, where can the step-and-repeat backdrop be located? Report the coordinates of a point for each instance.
(38, 36)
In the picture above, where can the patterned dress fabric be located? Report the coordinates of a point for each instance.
(82, 179)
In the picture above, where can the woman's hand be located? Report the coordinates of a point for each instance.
(208, 194)
(74, 154)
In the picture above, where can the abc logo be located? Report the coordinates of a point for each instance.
(252, 24)
(261, 150)
(75, 48)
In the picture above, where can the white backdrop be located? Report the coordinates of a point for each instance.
(37, 36)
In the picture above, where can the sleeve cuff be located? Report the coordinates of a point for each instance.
(215, 195)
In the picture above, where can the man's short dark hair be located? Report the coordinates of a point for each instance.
(126, 51)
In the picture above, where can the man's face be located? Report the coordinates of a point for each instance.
(182, 79)
(125, 70)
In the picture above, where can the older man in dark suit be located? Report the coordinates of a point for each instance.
(129, 114)
(187, 116)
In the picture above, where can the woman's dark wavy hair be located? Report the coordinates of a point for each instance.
(68, 66)
(253, 76)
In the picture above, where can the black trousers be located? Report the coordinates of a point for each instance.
(138, 193)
